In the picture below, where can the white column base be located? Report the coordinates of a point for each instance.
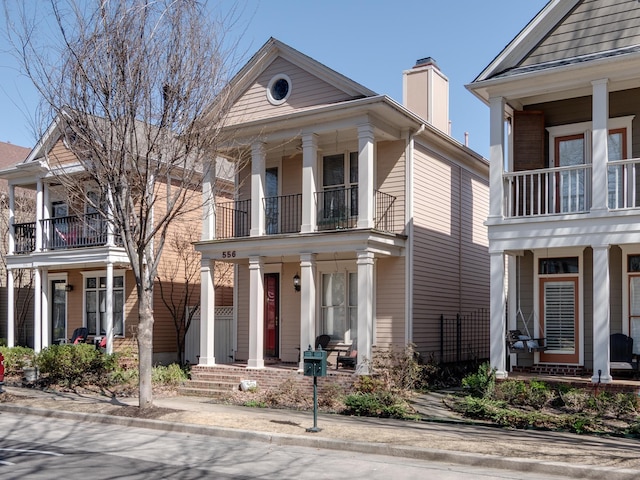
(255, 364)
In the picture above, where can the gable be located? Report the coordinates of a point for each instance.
(594, 26)
(307, 90)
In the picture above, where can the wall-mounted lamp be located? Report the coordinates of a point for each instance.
(296, 282)
(68, 287)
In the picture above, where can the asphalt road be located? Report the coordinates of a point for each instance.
(34, 447)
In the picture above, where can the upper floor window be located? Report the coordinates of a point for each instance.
(340, 185)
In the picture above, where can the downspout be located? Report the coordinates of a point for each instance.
(409, 204)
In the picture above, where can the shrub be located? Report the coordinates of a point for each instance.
(74, 365)
(16, 358)
(399, 368)
(482, 383)
(171, 375)
(377, 404)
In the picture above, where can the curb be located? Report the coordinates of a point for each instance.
(461, 458)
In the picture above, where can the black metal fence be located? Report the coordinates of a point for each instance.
(465, 338)
(283, 214)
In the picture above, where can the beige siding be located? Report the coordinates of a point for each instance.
(291, 175)
(306, 91)
(616, 269)
(391, 173)
(450, 245)
(390, 302)
(289, 314)
(594, 26)
(242, 312)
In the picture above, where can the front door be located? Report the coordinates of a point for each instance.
(271, 315)
(58, 311)
(559, 306)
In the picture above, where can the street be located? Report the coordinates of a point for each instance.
(34, 447)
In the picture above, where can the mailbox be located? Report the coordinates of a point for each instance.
(315, 363)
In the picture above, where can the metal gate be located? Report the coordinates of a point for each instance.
(222, 337)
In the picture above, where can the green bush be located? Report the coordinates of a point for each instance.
(74, 365)
(377, 404)
(171, 375)
(16, 358)
(482, 383)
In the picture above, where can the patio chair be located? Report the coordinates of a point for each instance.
(347, 358)
(621, 352)
(79, 335)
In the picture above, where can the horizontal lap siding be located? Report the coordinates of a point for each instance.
(450, 258)
(291, 175)
(289, 314)
(390, 301)
(242, 312)
(594, 26)
(390, 174)
(306, 91)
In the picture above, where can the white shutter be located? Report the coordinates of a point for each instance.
(559, 316)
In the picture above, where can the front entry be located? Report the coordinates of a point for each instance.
(271, 315)
(58, 311)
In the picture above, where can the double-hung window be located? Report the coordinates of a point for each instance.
(96, 304)
(340, 306)
(340, 188)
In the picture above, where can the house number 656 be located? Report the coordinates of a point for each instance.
(229, 254)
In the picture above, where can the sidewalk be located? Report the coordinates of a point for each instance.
(442, 436)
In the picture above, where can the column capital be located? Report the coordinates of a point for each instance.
(307, 259)
(309, 140)
(601, 81)
(364, 257)
(366, 130)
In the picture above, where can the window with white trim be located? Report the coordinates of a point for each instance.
(339, 317)
(96, 304)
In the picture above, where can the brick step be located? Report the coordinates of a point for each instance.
(213, 384)
(201, 392)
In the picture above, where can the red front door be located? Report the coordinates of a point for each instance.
(271, 314)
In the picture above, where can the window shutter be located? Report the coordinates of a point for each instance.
(559, 316)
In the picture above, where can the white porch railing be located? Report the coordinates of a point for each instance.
(550, 191)
(623, 177)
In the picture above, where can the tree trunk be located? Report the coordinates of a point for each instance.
(145, 347)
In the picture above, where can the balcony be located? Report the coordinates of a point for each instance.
(337, 209)
(568, 190)
(61, 233)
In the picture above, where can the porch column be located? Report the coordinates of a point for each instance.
(601, 326)
(258, 163)
(39, 214)
(307, 303)
(207, 310)
(309, 170)
(498, 322)
(12, 218)
(37, 311)
(208, 204)
(11, 316)
(496, 157)
(111, 235)
(256, 313)
(365, 263)
(44, 308)
(109, 308)
(599, 138)
(366, 166)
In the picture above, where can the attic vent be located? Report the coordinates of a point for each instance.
(423, 62)
(279, 89)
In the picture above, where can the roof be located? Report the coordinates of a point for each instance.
(11, 154)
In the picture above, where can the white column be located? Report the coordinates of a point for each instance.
(366, 167)
(497, 355)
(37, 310)
(258, 165)
(599, 138)
(111, 234)
(39, 214)
(12, 217)
(365, 311)
(496, 157)
(44, 308)
(309, 170)
(209, 204)
(109, 308)
(601, 326)
(207, 312)
(307, 303)
(11, 318)
(256, 313)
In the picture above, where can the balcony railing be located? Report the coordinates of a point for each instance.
(337, 208)
(233, 219)
(283, 214)
(559, 190)
(623, 184)
(385, 212)
(74, 231)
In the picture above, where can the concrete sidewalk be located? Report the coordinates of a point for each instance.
(443, 437)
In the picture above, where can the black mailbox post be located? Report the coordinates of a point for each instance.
(315, 365)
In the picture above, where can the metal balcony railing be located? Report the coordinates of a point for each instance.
(337, 208)
(25, 237)
(283, 214)
(233, 219)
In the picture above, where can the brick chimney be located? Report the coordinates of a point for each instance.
(425, 91)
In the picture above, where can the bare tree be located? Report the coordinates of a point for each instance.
(138, 89)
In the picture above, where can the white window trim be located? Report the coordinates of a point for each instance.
(554, 253)
(279, 76)
(627, 250)
(103, 273)
(327, 267)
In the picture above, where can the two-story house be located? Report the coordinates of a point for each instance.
(564, 222)
(355, 216)
(81, 272)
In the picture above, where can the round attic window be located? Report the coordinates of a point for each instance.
(279, 89)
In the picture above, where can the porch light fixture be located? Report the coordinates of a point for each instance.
(68, 287)
(296, 282)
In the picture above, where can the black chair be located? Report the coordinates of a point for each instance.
(347, 358)
(79, 335)
(621, 352)
(322, 341)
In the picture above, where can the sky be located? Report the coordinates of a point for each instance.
(370, 41)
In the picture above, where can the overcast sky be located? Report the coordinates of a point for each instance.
(371, 42)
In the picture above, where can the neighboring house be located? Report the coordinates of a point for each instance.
(355, 216)
(82, 274)
(564, 187)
